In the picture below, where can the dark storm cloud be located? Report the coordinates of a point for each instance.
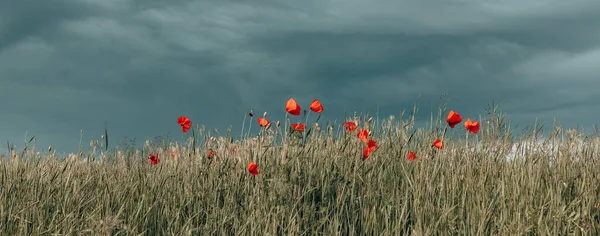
(21, 19)
(137, 65)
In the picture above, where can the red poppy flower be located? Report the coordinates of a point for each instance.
(298, 127)
(371, 146)
(471, 126)
(363, 135)
(350, 126)
(263, 122)
(210, 154)
(185, 123)
(154, 159)
(411, 156)
(292, 107)
(253, 168)
(316, 106)
(453, 119)
(438, 144)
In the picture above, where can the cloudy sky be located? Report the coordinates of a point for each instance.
(68, 65)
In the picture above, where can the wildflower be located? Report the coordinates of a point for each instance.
(154, 159)
(292, 107)
(263, 122)
(210, 154)
(298, 127)
(253, 168)
(471, 126)
(185, 123)
(316, 106)
(363, 135)
(453, 119)
(350, 126)
(371, 146)
(438, 144)
(411, 156)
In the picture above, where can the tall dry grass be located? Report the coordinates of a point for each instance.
(320, 186)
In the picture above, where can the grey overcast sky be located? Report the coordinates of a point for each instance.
(137, 65)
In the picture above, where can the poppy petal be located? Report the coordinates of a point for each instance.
(262, 122)
(438, 144)
(253, 168)
(316, 106)
(292, 107)
(471, 126)
(350, 126)
(453, 119)
(185, 123)
(363, 135)
(299, 127)
(411, 156)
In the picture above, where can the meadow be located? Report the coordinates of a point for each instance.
(362, 176)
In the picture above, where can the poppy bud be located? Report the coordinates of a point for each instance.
(251, 113)
(278, 123)
(50, 148)
(370, 119)
(265, 114)
(102, 136)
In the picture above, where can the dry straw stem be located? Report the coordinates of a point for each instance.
(321, 187)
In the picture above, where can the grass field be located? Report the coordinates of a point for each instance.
(490, 183)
